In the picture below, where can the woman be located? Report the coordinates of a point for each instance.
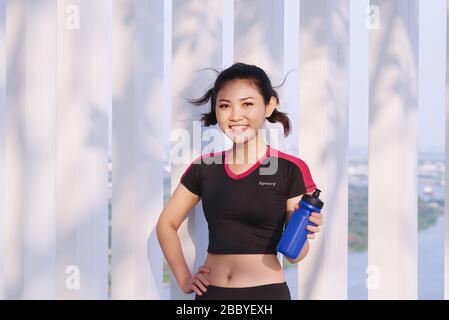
(248, 194)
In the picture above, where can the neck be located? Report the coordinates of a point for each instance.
(248, 152)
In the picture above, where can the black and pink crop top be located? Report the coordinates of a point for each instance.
(245, 212)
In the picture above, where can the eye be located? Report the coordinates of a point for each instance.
(223, 106)
(248, 103)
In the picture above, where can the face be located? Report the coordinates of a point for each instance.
(241, 111)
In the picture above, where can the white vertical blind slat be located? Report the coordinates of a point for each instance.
(2, 140)
(323, 144)
(289, 91)
(28, 209)
(393, 202)
(81, 150)
(446, 173)
(38, 124)
(14, 151)
(137, 150)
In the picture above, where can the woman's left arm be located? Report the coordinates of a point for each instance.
(315, 218)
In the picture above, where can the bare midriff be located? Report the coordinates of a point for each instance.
(243, 270)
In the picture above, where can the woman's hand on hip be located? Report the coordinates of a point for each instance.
(198, 282)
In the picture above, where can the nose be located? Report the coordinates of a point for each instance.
(236, 114)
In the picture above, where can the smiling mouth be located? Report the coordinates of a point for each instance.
(238, 128)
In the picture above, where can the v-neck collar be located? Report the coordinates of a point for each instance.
(238, 176)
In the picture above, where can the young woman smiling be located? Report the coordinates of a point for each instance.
(248, 194)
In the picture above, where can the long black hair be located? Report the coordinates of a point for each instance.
(243, 71)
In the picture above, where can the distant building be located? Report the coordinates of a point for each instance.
(428, 190)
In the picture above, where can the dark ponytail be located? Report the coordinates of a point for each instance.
(243, 71)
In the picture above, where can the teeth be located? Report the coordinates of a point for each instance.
(238, 127)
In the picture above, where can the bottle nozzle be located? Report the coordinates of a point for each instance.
(314, 199)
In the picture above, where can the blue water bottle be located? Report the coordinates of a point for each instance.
(295, 234)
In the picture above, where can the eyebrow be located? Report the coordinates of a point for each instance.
(240, 99)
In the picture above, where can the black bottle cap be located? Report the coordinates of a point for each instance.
(314, 199)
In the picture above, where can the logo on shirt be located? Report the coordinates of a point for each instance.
(267, 184)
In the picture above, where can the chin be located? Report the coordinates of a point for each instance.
(241, 139)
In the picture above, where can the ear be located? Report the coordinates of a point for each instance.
(271, 106)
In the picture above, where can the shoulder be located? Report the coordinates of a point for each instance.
(297, 169)
(199, 162)
(208, 157)
(291, 160)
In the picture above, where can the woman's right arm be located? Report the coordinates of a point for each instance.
(170, 219)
